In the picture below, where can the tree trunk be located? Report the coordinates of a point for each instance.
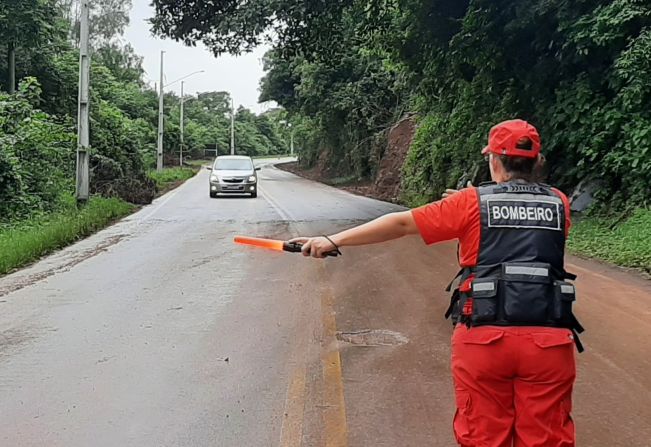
(11, 67)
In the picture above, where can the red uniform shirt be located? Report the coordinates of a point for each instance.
(457, 217)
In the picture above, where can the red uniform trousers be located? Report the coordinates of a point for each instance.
(513, 386)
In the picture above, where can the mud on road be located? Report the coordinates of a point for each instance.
(171, 335)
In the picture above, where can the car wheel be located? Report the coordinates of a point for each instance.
(254, 195)
(213, 195)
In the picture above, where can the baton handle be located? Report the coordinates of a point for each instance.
(294, 247)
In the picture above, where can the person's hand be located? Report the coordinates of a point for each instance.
(317, 247)
(450, 192)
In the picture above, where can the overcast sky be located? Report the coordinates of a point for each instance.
(238, 75)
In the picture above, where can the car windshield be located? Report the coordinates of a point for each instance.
(233, 165)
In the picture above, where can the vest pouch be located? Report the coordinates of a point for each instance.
(526, 292)
(484, 300)
(564, 297)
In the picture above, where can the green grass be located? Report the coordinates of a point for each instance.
(26, 241)
(264, 157)
(628, 243)
(198, 163)
(169, 176)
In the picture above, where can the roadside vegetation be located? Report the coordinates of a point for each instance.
(27, 240)
(170, 177)
(199, 163)
(346, 72)
(263, 157)
(625, 242)
(38, 112)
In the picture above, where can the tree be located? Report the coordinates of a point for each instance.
(281, 78)
(351, 97)
(122, 61)
(230, 26)
(218, 103)
(108, 19)
(25, 23)
(29, 141)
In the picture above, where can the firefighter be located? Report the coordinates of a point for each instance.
(513, 342)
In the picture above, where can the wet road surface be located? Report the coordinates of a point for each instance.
(160, 332)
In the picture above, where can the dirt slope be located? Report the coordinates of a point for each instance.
(386, 186)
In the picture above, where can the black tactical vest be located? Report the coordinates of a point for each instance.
(519, 279)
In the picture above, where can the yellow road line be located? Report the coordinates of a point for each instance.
(334, 413)
(334, 408)
(291, 432)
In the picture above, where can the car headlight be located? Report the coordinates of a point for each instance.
(214, 178)
(253, 179)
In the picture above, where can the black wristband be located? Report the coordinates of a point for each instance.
(336, 246)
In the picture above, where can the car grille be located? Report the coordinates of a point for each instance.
(232, 179)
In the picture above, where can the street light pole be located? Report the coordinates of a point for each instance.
(291, 139)
(232, 127)
(216, 146)
(182, 124)
(161, 114)
(291, 135)
(83, 140)
(161, 111)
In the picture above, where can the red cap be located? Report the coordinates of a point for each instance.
(504, 137)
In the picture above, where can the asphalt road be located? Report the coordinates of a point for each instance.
(160, 332)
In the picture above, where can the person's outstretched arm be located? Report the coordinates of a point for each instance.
(385, 228)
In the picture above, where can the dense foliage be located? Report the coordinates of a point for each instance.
(38, 120)
(234, 26)
(36, 155)
(347, 69)
(625, 242)
(171, 177)
(573, 68)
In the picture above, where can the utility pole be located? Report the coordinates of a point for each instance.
(161, 111)
(291, 135)
(291, 140)
(232, 127)
(217, 139)
(217, 147)
(12, 66)
(83, 140)
(182, 123)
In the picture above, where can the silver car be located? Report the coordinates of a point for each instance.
(233, 174)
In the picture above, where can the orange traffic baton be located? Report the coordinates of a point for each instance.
(273, 244)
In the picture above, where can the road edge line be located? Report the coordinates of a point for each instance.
(334, 413)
